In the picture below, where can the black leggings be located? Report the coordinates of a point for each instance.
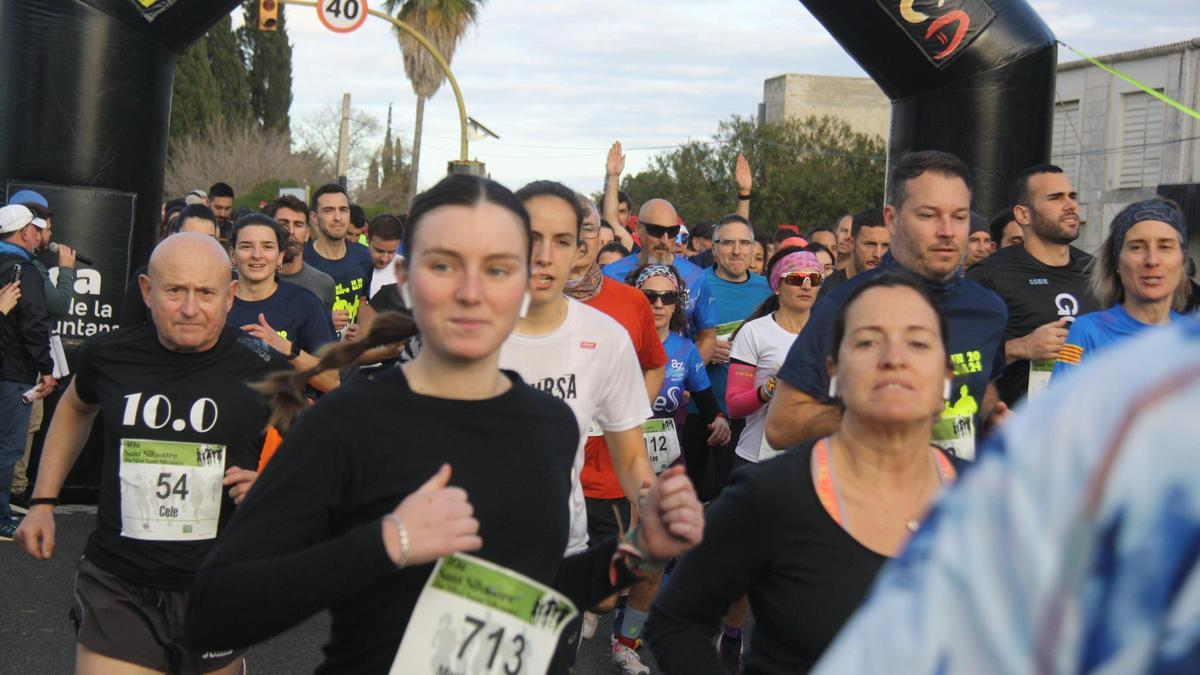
(696, 453)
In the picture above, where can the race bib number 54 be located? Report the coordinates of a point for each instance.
(477, 617)
(170, 491)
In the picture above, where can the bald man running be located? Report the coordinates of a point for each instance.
(179, 425)
(658, 225)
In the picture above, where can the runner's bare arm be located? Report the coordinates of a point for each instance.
(69, 430)
(654, 381)
(614, 165)
(794, 416)
(706, 343)
(745, 183)
(629, 460)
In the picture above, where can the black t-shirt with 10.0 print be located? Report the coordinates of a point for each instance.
(173, 423)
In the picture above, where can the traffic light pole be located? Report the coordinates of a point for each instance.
(437, 56)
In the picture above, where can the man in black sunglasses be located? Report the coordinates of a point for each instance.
(658, 225)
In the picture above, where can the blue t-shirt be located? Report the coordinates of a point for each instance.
(685, 372)
(975, 318)
(294, 312)
(1093, 333)
(351, 275)
(735, 302)
(702, 310)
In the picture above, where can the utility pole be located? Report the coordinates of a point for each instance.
(343, 157)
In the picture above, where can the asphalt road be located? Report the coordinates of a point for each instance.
(37, 637)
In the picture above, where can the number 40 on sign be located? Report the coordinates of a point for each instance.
(342, 16)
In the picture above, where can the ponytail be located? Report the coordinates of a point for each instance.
(285, 390)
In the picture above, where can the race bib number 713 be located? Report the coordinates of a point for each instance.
(478, 617)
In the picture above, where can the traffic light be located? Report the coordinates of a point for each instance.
(268, 15)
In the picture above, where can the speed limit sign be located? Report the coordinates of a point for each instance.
(342, 16)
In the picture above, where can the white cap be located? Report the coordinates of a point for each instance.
(195, 197)
(16, 216)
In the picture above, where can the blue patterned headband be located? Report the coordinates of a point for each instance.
(1150, 209)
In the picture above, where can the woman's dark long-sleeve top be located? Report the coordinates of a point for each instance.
(769, 537)
(309, 534)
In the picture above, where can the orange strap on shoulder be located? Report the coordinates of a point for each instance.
(823, 480)
(944, 467)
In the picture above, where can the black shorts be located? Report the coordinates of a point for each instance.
(602, 520)
(137, 624)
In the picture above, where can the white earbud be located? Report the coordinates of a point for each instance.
(406, 295)
(833, 387)
(525, 305)
(948, 390)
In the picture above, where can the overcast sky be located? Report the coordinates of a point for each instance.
(560, 80)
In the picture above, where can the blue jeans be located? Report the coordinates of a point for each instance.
(14, 425)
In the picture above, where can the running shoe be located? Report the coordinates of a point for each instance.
(7, 530)
(730, 652)
(627, 659)
(590, 621)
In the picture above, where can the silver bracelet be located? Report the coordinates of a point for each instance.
(403, 533)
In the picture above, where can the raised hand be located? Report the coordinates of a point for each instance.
(615, 165)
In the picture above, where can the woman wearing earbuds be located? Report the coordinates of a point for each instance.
(803, 535)
(446, 454)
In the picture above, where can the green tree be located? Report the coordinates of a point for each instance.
(270, 69)
(387, 166)
(195, 95)
(806, 172)
(443, 23)
(225, 59)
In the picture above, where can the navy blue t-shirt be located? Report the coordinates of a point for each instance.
(351, 275)
(975, 318)
(294, 312)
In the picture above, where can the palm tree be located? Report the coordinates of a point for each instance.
(443, 23)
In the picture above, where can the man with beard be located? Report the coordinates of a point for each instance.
(1044, 281)
(292, 213)
(348, 263)
(928, 212)
(869, 241)
(658, 225)
(979, 244)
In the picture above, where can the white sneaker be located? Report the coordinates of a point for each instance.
(590, 621)
(627, 659)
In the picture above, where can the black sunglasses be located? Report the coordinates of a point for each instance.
(657, 231)
(668, 298)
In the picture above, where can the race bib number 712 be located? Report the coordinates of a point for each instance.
(478, 617)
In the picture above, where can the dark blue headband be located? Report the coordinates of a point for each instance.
(1150, 209)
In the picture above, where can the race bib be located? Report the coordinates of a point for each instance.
(725, 331)
(477, 617)
(662, 443)
(170, 491)
(956, 435)
(1039, 376)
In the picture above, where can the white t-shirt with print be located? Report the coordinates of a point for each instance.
(589, 363)
(764, 344)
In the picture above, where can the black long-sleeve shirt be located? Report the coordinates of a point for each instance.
(309, 534)
(769, 537)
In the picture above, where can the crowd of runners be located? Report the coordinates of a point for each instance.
(472, 430)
